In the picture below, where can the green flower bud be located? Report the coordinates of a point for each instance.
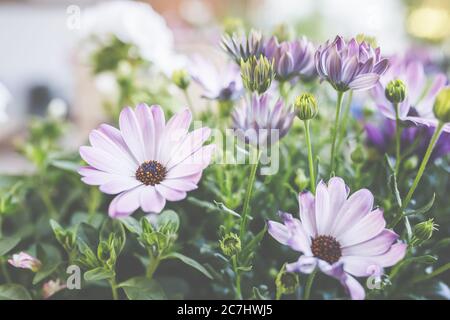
(442, 105)
(233, 26)
(230, 244)
(301, 179)
(306, 106)
(283, 32)
(411, 163)
(395, 91)
(423, 231)
(286, 282)
(181, 79)
(257, 74)
(369, 39)
(358, 155)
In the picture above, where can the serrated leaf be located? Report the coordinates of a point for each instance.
(14, 292)
(191, 262)
(141, 288)
(7, 244)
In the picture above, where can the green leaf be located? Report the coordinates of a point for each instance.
(423, 209)
(115, 229)
(131, 224)
(51, 260)
(191, 262)
(7, 244)
(98, 274)
(168, 220)
(66, 165)
(141, 288)
(13, 292)
(247, 251)
(225, 209)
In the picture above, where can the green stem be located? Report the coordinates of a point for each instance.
(398, 132)
(154, 263)
(308, 285)
(435, 273)
(189, 101)
(345, 118)
(1, 225)
(312, 177)
(113, 285)
(248, 195)
(336, 129)
(46, 199)
(420, 172)
(238, 278)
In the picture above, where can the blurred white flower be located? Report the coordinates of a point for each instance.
(5, 99)
(58, 108)
(134, 23)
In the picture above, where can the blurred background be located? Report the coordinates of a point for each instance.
(46, 67)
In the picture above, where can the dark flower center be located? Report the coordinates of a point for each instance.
(151, 173)
(326, 248)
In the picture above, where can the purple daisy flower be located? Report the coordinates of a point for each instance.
(291, 58)
(147, 161)
(343, 236)
(352, 65)
(217, 85)
(414, 139)
(257, 123)
(421, 93)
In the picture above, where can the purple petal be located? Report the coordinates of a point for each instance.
(169, 193)
(354, 209)
(364, 81)
(145, 119)
(381, 66)
(278, 231)
(307, 212)
(150, 200)
(305, 264)
(131, 133)
(354, 288)
(323, 210)
(103, 161)
(375, 246)
(119, 184)
(125, 203)
(368, 227)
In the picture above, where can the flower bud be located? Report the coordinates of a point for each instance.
(51, 287)
(257, 74)
(395, 91)
(368, 39)
(301, 180)
(25, 261)
(233, 26)
(411, 163)
(442, 105)
(230, 244)
(181, 79)
(286, 282)
(358, 155)
(423, 231)
(283, 32)
(306, 106)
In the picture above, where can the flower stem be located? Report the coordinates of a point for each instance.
(435, 273)
(113, 285)
(312, 177)
(345, 118)
(308, 285)
(425, 159)
(336, 129)
(420, 172)
(238, 278)
(248, 195)
(397, 139)
(154, 263)
(189, 101)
